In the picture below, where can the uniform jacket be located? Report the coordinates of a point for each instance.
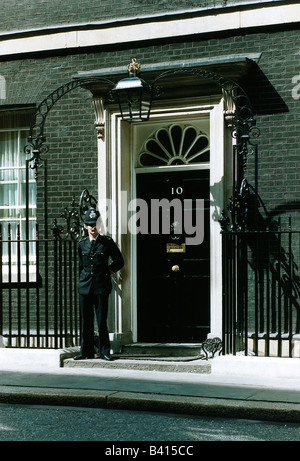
(95, 264)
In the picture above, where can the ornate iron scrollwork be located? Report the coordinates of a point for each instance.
(73, 216)
(239, 207)
(212, 346)
(36, 140)
(36, 149)
(245, 131)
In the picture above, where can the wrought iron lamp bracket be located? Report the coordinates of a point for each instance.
(36, 146)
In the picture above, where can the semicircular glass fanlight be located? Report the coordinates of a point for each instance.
(175, 145)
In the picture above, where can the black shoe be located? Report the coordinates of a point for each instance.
(83, 357)
(106, 357)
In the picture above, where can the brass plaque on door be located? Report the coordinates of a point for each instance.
(175, 248)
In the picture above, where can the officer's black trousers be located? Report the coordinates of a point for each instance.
(87, 305)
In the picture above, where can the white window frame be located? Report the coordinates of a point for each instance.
(12, 273)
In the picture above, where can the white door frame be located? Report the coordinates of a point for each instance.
(117, 187)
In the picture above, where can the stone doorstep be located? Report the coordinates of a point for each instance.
(168, 350)
(185, 358)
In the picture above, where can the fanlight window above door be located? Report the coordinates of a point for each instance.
(175, 145)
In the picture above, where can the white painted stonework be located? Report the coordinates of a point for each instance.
(152, 29)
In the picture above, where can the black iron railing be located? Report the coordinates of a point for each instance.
(38, 281)
(261, 292)
(38, 292)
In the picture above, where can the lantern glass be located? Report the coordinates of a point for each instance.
(134, 98)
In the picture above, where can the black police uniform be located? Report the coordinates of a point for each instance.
(98, 259)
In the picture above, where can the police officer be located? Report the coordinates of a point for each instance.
(99, 257)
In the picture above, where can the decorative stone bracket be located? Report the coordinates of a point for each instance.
(98, 105)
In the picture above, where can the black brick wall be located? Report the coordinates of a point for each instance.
(29, 14)
(70, 125)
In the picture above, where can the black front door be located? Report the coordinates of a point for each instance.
(173, 263)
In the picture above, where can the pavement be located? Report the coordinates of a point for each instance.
(225, 386)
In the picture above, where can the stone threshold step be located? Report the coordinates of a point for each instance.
(163, 349)
(153, 357)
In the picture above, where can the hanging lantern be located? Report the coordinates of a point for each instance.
(134, 95)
